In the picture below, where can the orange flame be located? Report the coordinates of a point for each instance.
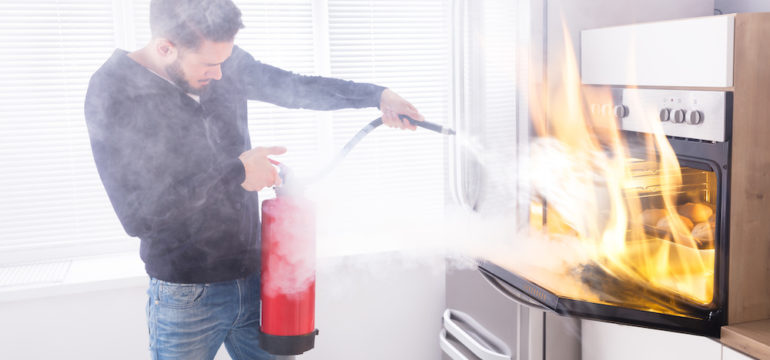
(594, 189)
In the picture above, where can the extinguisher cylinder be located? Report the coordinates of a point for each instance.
(288, 276)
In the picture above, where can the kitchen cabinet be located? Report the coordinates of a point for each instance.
(606, 341)
(730, 354)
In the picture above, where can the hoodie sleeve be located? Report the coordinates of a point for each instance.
(283, 88)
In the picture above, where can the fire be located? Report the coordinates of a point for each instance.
(602, 198)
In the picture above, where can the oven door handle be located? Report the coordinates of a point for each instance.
(511, 293)
(480, 341)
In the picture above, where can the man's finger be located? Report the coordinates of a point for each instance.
(275, 150)
(389, 118)
(406, 124)
(414, 113)
(417, 116)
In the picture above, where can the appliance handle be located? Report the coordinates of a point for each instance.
(513, 296)
(450, 349)
(473, 341)
(465, 182)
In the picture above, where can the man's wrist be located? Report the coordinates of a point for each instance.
(381, 94)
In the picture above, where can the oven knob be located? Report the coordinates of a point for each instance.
(680, 116)
(665, 114)
(621, 111)
(696, 117)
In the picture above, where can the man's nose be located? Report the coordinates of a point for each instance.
(214, 73)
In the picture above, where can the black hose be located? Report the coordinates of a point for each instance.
(366, 130)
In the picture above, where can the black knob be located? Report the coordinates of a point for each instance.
(680, 116)
(696, 117)
(665, 114)
(621, 111)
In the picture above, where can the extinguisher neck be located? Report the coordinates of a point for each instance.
(290, 185)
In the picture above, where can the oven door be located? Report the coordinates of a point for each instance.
(663, 284)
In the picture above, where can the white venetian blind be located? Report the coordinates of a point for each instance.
(138, 21)
(405, 46)
(51, 200)
(281, 33)
(52, 203)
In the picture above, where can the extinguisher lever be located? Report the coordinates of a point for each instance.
(283, 171)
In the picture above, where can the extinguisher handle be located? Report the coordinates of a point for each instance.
(283, 170)
(428, 125)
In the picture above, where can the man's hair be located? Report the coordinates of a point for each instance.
(187, 23)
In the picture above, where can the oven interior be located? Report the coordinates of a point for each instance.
(665, 266)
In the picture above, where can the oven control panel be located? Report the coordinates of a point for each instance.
(688, 114)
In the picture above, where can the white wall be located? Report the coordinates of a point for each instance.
(379, 307)
(94, 325)
(735, 6)
(376, 306)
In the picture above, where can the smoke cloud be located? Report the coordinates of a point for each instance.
(404, 235)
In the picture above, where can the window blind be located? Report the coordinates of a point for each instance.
(403, 45)
(138, 23)
(53, 204)
(281, 33)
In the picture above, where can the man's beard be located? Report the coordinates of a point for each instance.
(176, 75)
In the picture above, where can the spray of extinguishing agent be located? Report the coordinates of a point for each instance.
(288, 248)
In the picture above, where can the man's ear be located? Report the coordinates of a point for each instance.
(165, 49)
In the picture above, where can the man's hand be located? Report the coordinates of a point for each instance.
(392, 105)
(260, 173)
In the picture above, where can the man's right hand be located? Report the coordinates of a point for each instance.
(260, 173)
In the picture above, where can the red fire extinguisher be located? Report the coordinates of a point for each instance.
(288, 258)
(288, 273)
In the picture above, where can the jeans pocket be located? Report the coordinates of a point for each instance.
(180, 296)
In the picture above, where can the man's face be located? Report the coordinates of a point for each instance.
(194, 69)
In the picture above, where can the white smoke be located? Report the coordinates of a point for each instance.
(401, 232)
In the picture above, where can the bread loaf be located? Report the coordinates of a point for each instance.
(650, 217)
(663, 224)
(703, 234)
(696, 212)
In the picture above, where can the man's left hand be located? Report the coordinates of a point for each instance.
(392, 105)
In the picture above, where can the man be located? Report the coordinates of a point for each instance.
(168, 129)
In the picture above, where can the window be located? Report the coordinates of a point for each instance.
(51, 200)
(392, 185)
(405, 45)
(53, 204)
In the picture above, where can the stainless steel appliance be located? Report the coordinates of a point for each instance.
(484, 320)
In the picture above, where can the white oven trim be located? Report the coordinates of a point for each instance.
(695, 52)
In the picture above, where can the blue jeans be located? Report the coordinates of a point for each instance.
(191, 321)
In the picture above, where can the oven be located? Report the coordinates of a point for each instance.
(673, 266)
(647, 188)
